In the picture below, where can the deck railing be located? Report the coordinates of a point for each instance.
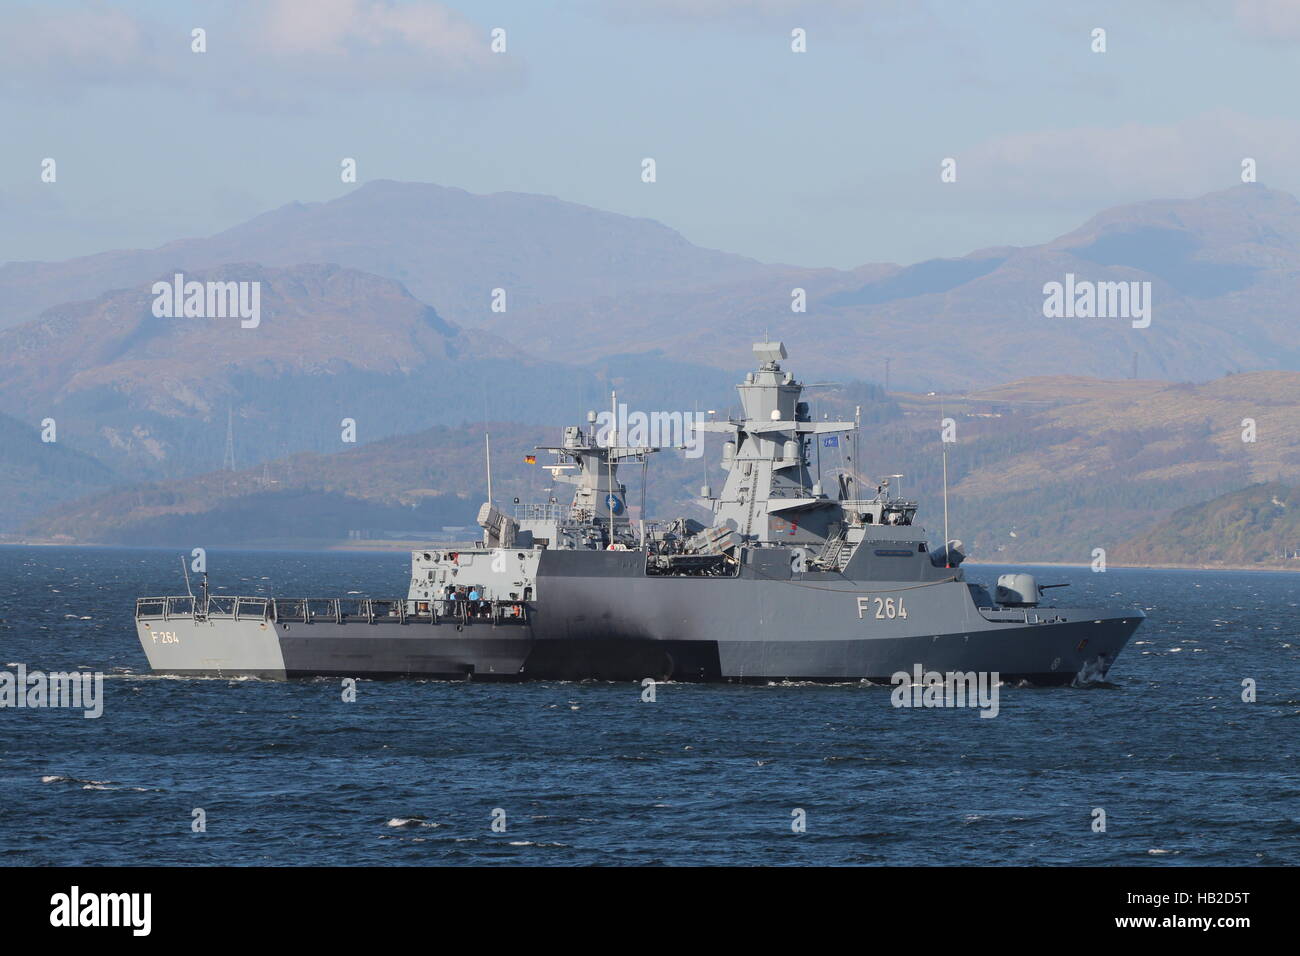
(332, 610)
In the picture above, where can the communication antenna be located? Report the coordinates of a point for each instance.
(645, 481)
(186, 571)
(857, 431)
(487, 444)
(704, 459)
(947, 556)
(609, 458)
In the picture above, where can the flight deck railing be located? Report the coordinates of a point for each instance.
(218, 606)
(334, 610)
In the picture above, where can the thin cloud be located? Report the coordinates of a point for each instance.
(93, 44)
(1270, 19)
(1103, 165)
(744, 11)
(424, 43)
(277, 46)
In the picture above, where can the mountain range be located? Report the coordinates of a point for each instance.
(450, 248)
(377, 308)
(581, 285)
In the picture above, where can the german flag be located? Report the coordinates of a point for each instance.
(530, 459)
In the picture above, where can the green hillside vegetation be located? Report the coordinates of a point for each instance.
(36, 476)
(1259, 525)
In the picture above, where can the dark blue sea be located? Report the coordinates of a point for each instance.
(587, 773)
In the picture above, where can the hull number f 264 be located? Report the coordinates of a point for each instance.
(886, 609)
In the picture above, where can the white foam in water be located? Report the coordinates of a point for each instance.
(88, 784)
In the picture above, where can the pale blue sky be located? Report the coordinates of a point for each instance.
(830, 157)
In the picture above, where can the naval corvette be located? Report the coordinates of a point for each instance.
(787, 582)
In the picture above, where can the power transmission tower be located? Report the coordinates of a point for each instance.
(228, 459)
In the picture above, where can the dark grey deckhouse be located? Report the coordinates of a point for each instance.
(787, 582)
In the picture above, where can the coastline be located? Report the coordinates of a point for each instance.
(1203, 566)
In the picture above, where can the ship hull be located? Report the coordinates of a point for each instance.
(760, 630)
(226, 647)
(625, 627)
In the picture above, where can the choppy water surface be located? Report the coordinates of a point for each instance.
(411, 773)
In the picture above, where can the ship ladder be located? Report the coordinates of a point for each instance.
(833, 551)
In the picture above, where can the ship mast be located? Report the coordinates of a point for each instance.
(613, 444)
(947, 557)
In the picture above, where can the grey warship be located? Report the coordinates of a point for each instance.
(788, 582)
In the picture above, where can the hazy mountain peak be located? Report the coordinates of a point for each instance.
(1242, 213)
(449, 247)
(313, 318)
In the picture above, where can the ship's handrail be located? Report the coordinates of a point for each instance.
(150, 607)
(235, 607)
(329, 610)
(1018, 615)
